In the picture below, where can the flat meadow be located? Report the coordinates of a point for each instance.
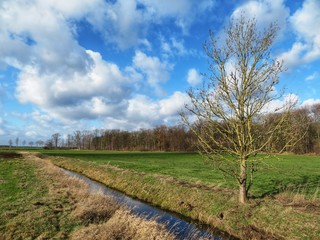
(284, 201)
(294, 173)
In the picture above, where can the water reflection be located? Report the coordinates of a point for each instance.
(181, 228)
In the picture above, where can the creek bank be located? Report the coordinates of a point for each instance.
(57, 206)
(176, 225)
(260, 219)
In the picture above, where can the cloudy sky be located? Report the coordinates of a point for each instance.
(127, 64)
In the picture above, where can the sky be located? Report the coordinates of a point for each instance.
(127, 64)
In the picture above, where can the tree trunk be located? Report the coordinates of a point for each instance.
(243, 198)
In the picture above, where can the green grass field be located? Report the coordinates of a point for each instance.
(297, 173)
(285, 202)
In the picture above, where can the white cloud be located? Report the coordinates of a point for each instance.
(194, 78)
(49, 45)
(42, 118)
(173, 104)
(294, 56)
(98, 92)
(142, 109)
(304, 22)
(265, 12)
(312, 77)
(67, 83)
(126, 22)
(72, 8)
(144, 112)
(310, 102)
(184, 12)
(280, 104)
(155, 71)
(175, 47)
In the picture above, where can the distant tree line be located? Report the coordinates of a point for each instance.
(38, 143)
(304, 124)
(161, 138)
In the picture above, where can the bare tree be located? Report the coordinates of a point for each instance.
(39, 143)
(232, 101)
(77, 138)
(17, 141)
(10, 143)
(56, 139)
(316, 119)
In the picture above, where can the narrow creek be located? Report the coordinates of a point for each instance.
(182, 228)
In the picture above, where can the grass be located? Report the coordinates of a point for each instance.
(277, 174)
(38, 201)
(286, 203)
(22, 197)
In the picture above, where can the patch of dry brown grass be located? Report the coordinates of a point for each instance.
(95, 208)
(299, 202)
(124, 225)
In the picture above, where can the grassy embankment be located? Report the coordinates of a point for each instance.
(38, 201)
(285, 200)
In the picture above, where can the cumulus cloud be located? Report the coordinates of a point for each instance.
(307, 46)
(31, 40)
(280, 104)
(265, 12)
(173, 104)
(143, 112)
(142, 108)
(67, 83)
(184, 12)
(174, 47)
(126, 22)
(310, 102)
(155, 71)
(194, 78)
(97, 93)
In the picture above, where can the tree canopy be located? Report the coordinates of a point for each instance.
(231, 108)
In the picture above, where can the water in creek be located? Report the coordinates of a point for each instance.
(182, 228)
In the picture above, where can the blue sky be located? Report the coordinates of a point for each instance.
(127, 64)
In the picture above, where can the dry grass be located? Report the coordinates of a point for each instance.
(95, 216)
(299, 201)
(95, 208)
(124, 225)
